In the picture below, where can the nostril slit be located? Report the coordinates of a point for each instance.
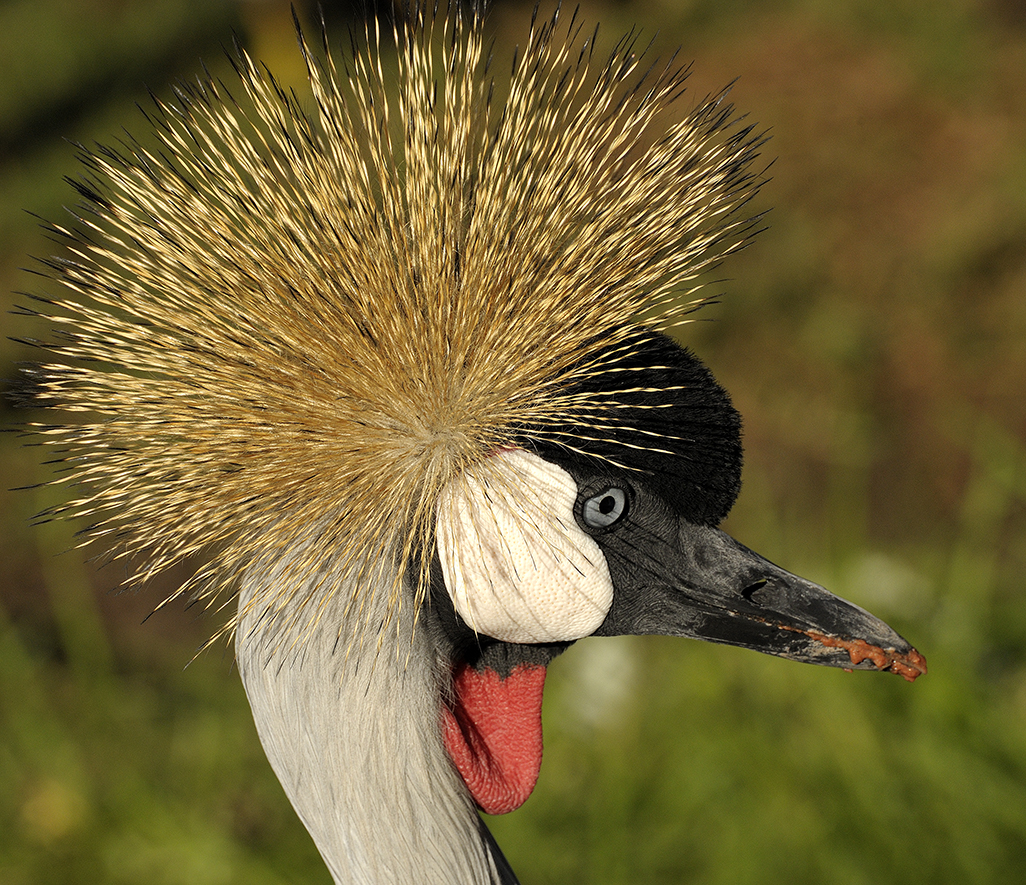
(752, 589)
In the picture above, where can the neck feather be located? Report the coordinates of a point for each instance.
(355, 738)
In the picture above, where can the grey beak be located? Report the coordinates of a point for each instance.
(705, 585)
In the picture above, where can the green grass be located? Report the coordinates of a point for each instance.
(874, 339)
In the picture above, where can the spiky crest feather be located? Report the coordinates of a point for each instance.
(289, 328)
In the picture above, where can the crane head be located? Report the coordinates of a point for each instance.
(393, 357)
(615, 535)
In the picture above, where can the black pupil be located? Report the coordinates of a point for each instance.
(607, 504)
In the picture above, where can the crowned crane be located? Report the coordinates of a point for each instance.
(395, 360)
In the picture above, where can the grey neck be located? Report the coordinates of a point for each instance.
(356, 741)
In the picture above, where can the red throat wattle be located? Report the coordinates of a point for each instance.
(492, 730)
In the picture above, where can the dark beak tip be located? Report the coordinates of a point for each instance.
(907, 663)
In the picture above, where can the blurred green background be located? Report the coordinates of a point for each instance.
(874, 338)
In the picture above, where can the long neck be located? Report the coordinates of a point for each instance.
(356, 743)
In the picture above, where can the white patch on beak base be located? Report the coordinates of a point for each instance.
(516, 564)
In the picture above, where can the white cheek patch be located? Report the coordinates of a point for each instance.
(516, 564)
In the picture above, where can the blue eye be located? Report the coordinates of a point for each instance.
(604, 509)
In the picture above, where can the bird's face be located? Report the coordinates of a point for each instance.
(616, 534)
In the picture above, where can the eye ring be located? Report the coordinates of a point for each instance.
(605, 509)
